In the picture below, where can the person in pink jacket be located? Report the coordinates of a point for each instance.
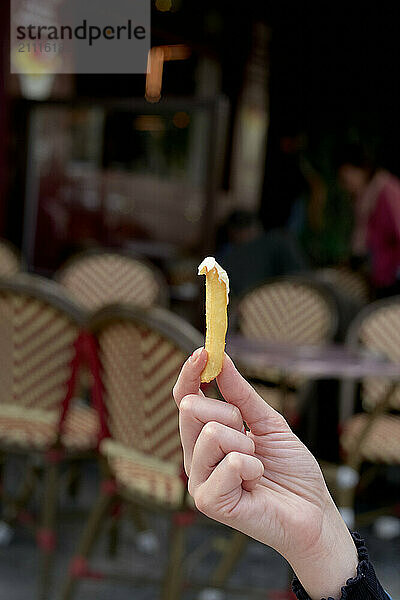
(376, 236)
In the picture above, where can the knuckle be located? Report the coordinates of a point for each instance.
(234, 460)
(211, 430)
(186, 405)
(201, 501)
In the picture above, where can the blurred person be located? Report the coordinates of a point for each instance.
(376, 236)
(251, 255)
(266, 484)
(295, 194)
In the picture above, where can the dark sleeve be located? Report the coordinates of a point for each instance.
(365, 586)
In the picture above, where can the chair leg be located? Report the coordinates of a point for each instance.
(13, 508)
(27, 487)
(2, 493)
(17, 505)
(173, 578)
(230, 557)
(6, 532)
(138, 518)
(146, 537)
(78, 566)
(74, 479)
(46, 535)
(114, 531)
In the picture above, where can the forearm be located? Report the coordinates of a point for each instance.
(324, 569)
(365, 586)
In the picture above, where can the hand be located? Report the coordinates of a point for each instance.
(264, 483)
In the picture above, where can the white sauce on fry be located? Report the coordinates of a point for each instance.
(208, 264)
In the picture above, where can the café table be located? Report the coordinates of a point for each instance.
(330, 361)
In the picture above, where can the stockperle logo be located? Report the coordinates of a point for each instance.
(79, 36)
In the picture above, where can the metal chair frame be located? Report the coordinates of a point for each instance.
(347, 391)
(347, 400)
(49, 293)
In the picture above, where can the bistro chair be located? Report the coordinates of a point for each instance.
(289, 310)
(99, 277)
(372, 436)
(141, 354)
(10, 262)
(39, 333)
(351, 284)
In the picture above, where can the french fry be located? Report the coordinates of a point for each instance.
(217, 292)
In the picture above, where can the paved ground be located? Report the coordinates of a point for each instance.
(260, 566)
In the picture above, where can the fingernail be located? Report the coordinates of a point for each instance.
(196, 355)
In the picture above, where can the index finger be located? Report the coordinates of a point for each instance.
(260, 417)
(189, 378)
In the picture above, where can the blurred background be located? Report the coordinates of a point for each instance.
(265, 134)
(250, 92)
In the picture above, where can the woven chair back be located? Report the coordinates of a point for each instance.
(96, 279)
(38, 328)
(141, 354)
(351, 284)
(288, 310)
(377, 329)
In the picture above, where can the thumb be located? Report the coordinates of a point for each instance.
(260, 417)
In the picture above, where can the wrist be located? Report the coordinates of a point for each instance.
(324, 569)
